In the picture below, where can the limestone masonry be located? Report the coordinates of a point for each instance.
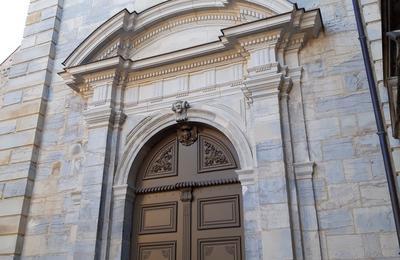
(93, 83)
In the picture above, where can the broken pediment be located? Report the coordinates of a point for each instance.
(180, 24)
(183, 35)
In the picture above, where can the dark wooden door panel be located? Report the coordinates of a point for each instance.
(158, 218)
(218, 212)
(226, 248)
(188, 203)
(157, 251)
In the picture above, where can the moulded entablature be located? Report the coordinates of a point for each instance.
(123, 42)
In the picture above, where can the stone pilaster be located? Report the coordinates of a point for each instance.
(122, 210)
(307, 209)
(266, 126)
(104, 120)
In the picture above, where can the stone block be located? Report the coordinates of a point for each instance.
(366, 122)
(366, 145)
(389, 244)
(50, 12)
(23, 109)
(272, 190)
(374, 194)
(12, 98)
(11, 206)
(16, 171)
(42, 4)
(275, 216)
(33, 17)
(334, 172)
(27, 80)
(267, 130)
(17, 70)
(7, 127)
(357, 102)
(323, 128)
(43, 63)
(29, 122)
(44, 25)
(372, 245)
(348, 126)
(17, 139)
(38, 51)
(357, 170)
(269, 151)
(336, 149)
(5, 157)
(342, 195)
(8, 244)
(345, 247)
(17, 188)
(371, 12)
(336, 221)
(374, 30)
(373, 219)
(28, 42)
(46, 36)
(10, 224)
(276, 244)
(22, 154)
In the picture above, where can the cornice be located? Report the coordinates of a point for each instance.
(240, 39)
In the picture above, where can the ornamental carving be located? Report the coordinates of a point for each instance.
(163, 163)
(187, 134)
(214, 155)
(180, 109)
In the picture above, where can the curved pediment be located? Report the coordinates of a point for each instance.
(180, 24)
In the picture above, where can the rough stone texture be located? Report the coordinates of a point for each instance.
(347, 198)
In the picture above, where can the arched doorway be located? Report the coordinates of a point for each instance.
(188, 198)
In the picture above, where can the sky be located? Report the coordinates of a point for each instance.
(12, 20)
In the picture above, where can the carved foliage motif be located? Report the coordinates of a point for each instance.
(163, 164)
(159, 251)
(214, 155)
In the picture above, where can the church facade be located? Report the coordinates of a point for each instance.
(207, 129)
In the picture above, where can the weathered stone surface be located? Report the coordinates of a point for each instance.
(374, 219)
(345, 247)
(336, 221)
(33, 17)
(12, 98)
(337, 131)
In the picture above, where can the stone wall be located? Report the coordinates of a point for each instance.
(354, 210)
(42, 188)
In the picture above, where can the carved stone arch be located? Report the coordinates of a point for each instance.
(223, 121)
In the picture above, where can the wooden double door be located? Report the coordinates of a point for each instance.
(188, 203)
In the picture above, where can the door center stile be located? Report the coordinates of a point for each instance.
(186, 198)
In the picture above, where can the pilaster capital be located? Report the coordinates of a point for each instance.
(304, 170)
(263, 85)
(104, 116)
(123, 192)
(247, 176)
